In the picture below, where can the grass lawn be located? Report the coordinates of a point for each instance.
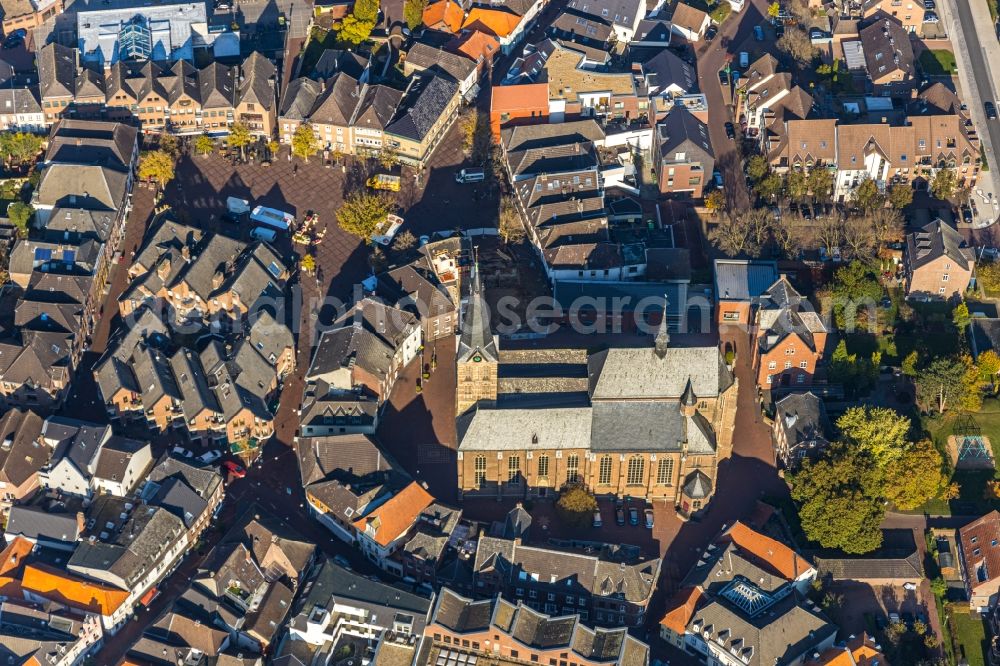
(972, 483)
(938, 61)
(969, 634)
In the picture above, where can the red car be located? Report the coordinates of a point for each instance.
(234, 469)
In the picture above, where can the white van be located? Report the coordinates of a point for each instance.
(263, 234)
(470, 176)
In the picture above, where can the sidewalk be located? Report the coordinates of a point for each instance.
(987, 187)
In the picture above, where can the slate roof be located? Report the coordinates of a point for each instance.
(39, 524)
(935, 240)
(424, 56)
(299, 98)
(56, 70)
(105, 144)
(332, 61)
(82, 186)
(425, 102)
(476, 336)
(619, 12)
(682, 132)
(638, 373)
(257, 84)
(887, 49)
(144, 539)
(906, 568)
(666, 69)
(116, 456)
(802, 416)
(22, 101)
(636, 580)
(21, 452)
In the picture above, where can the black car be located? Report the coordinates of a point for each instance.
(711, 33)
(966, 214)
(730, 130)
(929, 5)
(991, 110)
(723, 77)
(779, 31)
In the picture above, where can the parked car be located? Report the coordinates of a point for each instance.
(806, 212)
(210, 457)
(235, 469)
(649, 518)
(181, 452)
(930, 17)
(597, 518)
(779, 31)
(717, 177)
(723, 77)
(758, 33)
(991, 110)
(620, 516)
(730, 130)
(633, 516)
(929, 5)
(711, 33)
(966, 214)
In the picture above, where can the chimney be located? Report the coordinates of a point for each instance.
(186, 253)
(217, 279)
(163, 270)
(80, 521)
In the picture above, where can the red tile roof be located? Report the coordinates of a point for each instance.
(395, 516)
(782, 559)
(61, 587)
(681, 609)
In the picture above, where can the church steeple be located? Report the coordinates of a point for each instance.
(662, 341)
(476, 339)
(689, 401)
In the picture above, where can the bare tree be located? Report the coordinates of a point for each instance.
(510, 226)
(860, 238)
(791, 233)
(743, 233)
(829, 233)
(796, 44)
(888, 225)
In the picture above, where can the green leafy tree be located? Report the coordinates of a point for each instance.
(404, 241)
(757, 167)
(354, 30)
(239, 138)
(304, 142)
(857, 375)
(942, 384)
(910, 363)
(988, 276)
(839, 500)
(900, 196)
(19, 214)
(820, 183)
(157, 166)
(988, 364)
(19, 148)
(362, 213)
(944, 184)
(879, 431)
(856, 292)
(960, 316)
(204, 145)
(576, 507)
(796, 185)
(273, 147)
(170, 145)
(774, 9)
(769, 187)
(915, 477)
(715, 201)
(366, 10)
(308, 263)
(413, 13)
(866, 195)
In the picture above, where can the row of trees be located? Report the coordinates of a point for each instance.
(757, 231)
(842, 495)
